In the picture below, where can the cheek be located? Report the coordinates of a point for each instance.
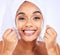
(39, 24)
(19, 25)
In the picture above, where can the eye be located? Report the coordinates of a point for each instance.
(36, 18)
(22, 18)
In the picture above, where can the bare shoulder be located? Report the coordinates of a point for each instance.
(41, 44)
(1, 46)
(42, 48)
(58, 48)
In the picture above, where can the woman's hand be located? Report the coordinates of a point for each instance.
(50, 36)
(50, 40)
(10, 41)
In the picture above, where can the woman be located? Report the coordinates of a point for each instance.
(29, 21)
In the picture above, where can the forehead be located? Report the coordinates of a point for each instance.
(28, 7)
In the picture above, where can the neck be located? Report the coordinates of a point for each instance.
(27, 46)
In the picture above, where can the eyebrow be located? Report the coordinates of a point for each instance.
(33, 12)
(20, 13)
(37, 12)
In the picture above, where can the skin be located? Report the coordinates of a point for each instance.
(28, 18)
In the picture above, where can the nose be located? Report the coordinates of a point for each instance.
(29, 23)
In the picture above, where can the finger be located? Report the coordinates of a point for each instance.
(9, 34)
(51, 35)
(45, 39)
(46, 35)
(12, 35)
(52, 29)
(6, 33)
(49, 32)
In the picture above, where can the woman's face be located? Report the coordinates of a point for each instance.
(29, 21)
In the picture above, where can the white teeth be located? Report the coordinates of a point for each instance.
(29, 32)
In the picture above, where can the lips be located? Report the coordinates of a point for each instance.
(29, 32)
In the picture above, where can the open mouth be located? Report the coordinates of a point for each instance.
(29, 32)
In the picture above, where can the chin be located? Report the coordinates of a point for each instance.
(30, 38)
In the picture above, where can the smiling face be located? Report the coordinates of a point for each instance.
(29, 21)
